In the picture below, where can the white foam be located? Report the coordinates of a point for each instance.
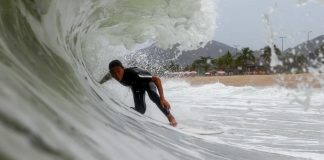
(252, 116)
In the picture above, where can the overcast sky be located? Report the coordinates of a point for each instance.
(241, 22)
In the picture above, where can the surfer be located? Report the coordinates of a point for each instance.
(140, 81)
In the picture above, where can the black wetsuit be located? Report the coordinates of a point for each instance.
(140, 82)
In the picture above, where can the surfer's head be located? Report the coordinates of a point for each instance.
(116, 69)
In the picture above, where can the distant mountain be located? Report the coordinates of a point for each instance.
(308, 47)
(155, 55)
(160, 57)
(212, 49)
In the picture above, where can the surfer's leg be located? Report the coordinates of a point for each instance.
(154, 96)
(139, 100)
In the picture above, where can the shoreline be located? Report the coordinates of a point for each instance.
(285, 80)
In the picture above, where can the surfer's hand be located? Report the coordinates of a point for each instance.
(165, 104)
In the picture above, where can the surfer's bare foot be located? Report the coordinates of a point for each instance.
(172, 120)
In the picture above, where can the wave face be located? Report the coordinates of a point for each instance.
(53, 51)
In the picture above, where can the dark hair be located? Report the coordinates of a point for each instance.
(115, 63)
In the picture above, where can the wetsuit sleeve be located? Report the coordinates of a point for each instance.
(105, 78)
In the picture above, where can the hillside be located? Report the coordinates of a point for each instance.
(154, 55)
(308, 47)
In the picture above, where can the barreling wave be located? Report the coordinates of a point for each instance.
(52, 52)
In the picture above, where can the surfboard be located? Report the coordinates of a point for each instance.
(181, 127)
(199, 131)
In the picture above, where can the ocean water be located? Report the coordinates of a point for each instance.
(52, 52)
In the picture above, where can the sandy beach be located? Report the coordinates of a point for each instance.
(287, 80)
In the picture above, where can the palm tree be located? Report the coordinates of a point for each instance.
(295, 63)
(201, 65)
(266, 56)
(301, 61)
(215, 62)
(226, 61)
(245, 59)
(322, 49)
(319, 55)
(322, 54)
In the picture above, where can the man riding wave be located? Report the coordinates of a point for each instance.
(140, 81)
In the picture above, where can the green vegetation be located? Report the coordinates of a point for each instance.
(172, 67)
(266, 57)
(247, 61)
(317, 59)
(202, 65)
(227, 61)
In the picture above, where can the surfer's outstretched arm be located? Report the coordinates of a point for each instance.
(158, 84)
(165, 104)
(105, 78)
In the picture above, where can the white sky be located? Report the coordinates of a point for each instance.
(241, 22)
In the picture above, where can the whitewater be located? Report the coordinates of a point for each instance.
(52, 53)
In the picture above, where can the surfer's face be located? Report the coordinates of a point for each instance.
(118, 73)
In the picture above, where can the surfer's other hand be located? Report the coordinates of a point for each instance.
(165, 104)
